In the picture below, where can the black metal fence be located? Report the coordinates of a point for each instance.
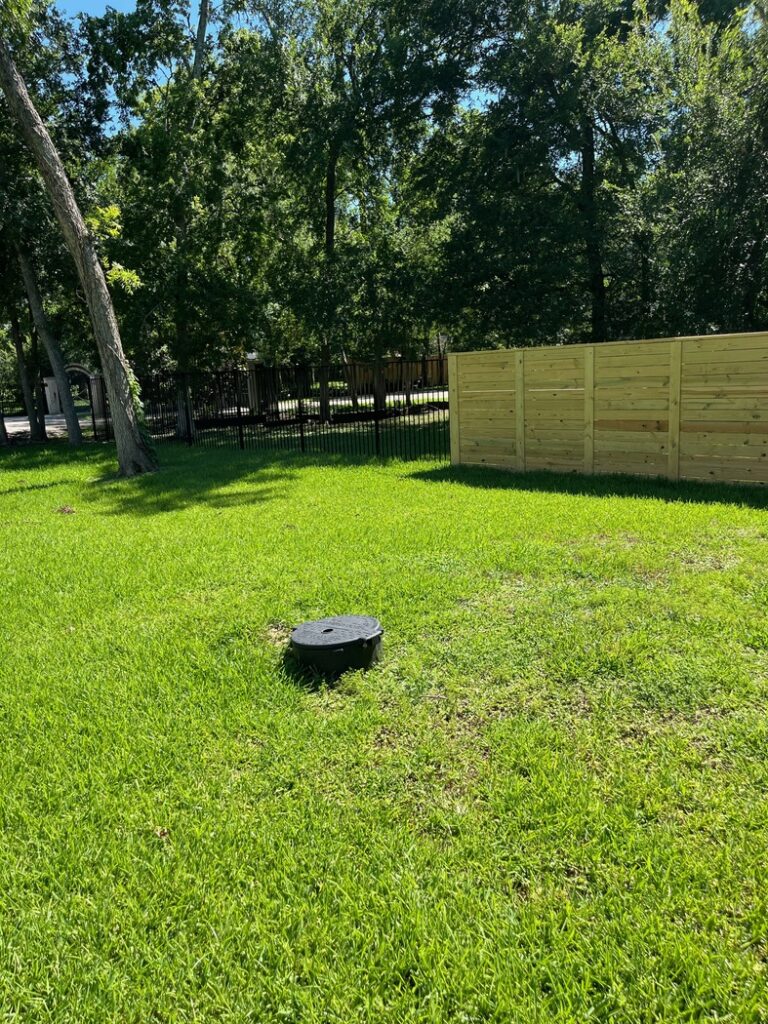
(392, 409)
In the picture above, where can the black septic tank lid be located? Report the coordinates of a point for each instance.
(337, 644)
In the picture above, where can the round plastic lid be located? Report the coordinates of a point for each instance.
(340, 631)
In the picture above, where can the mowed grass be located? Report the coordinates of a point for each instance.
(548, 803)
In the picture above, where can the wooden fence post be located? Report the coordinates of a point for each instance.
(589, 409)
(453, 408)
(520, 409)
(675, 387)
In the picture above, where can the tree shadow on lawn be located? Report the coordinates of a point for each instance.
(219, 478)
(23, 459)
(183, 479)
(230, 480)
(579, 485)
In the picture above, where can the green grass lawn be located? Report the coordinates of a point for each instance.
(548, 803)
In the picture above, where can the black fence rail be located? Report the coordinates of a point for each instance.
(393, 409)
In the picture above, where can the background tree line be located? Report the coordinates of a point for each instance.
(338, 179)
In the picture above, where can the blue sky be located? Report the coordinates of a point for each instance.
(94, 6)
(73, 7)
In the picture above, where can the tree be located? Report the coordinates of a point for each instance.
(35, 414)
(709, 191)
(52, 347)
(133, 450)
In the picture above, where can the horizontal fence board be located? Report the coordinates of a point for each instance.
(495, 459)
(644, 406)
(737, 352)
(545, 432)
(547, 445)
(485, 442)
(724, 426)
(643, 366)
(556, 465)
(628, 379)
(726, 380)
(723, 404)
(474, 423)
(604, 447)
(726, 445)
(637, 423)
(493, 434)
(558, 367)
(489, 398)
(727, 471)
(688, 408)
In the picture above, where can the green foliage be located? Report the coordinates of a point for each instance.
(362, 179)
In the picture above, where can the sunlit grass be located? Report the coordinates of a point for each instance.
(548, 803)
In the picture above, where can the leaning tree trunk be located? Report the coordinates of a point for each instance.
(36, 433)
(134, 452)
(52, 348)
(4, 439)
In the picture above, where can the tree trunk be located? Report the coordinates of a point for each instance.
(750, 319)
(330, 203)
(406, 382)
(350, 369)
(4, 438)
(40, 405)
(330, 253)
(324, 375)
(593, 248)
(379, 386)
(52, 348)
(202, 29)
(36, 374)
(644, 243)
(182, 353)
(35, 433)
(134, 452)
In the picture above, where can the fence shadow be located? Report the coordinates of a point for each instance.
(750, 495)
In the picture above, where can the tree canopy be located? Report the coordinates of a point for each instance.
(320, 180)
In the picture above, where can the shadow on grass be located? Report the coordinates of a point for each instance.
(657, 488)
(24, 488)
(218, 478)
(304, 677)
(187, 478)
(205, 476)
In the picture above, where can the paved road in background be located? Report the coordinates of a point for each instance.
(18, 426)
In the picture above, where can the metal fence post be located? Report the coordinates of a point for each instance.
(240, 435)
(300, 406)
(188, 407)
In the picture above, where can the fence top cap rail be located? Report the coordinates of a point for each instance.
(605, 344)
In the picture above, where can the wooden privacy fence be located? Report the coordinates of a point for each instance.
(684, 408)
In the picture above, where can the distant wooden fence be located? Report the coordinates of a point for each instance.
(684, 408)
